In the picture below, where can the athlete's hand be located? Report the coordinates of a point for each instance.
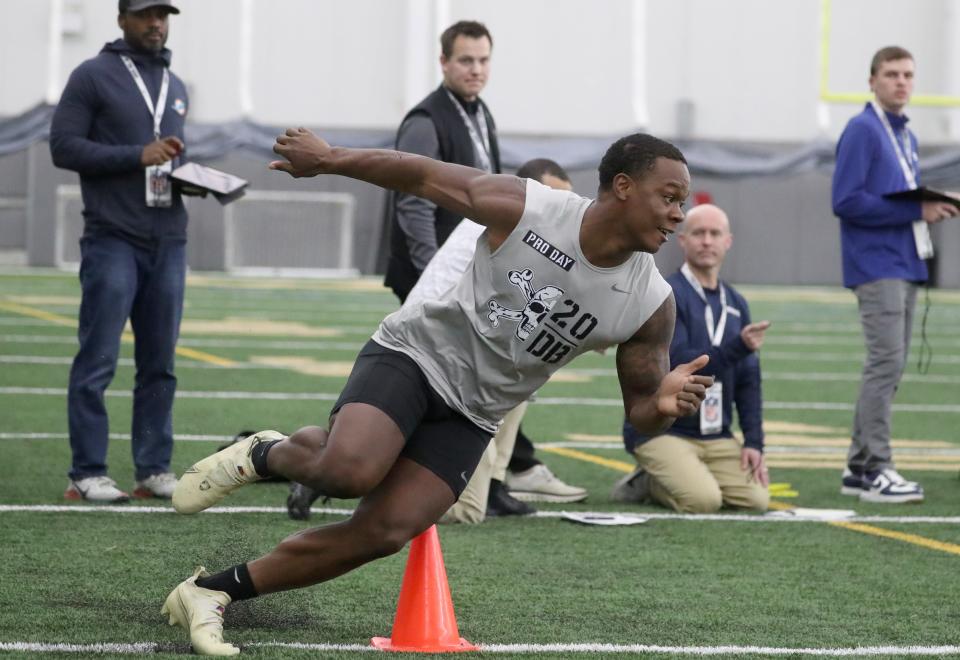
(305, 153)
(934, 212)
(161, 150)
(752, 461)
(753, 334)
(681, 392)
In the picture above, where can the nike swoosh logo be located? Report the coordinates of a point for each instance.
(235, 576)
(619, 290)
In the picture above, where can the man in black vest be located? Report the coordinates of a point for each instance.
(454, 125)
(451, 124)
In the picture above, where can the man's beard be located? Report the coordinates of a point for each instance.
(149, 46)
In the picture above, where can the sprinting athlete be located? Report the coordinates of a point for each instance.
(554, 275)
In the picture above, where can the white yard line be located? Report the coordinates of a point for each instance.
(766, 354)
(542, 400)
(144, 648)
(771, 448)
(855, 357)
(597, 372)
(185, 394)
(205, 343)
(704, 517)
(182, 363)
(179, 437)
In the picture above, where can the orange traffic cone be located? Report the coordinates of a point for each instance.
(425, 621)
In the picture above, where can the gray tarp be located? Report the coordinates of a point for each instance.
(211, 141)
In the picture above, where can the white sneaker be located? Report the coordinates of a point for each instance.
(539, 484)
(887, 486)
(95, 489)
(216, 476)
(200, 612)
(156, 485)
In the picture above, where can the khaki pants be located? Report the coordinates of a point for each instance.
(472, 506)
(699, 476)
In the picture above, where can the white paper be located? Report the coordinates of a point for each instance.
(603, 518)
(813, 514)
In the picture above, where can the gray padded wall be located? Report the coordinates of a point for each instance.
(784, 231)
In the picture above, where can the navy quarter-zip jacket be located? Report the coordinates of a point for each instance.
(99, 129)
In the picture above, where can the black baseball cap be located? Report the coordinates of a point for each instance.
(139, 5)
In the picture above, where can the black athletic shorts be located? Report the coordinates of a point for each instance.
(437, 436)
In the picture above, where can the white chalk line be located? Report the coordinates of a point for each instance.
(701, 517)
(179, 437)
(766, 354)
(768, 374)
(571, 444)
(145, 648)
(184, 394)
(204, 343)
(542, 400)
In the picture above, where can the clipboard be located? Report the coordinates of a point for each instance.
(197, 179)
(923, 194)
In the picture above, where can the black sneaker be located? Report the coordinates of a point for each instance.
(300, 499)
(501, 503)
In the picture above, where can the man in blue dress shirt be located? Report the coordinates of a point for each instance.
(884, 243)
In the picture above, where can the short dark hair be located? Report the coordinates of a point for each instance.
(536, 169)
(635, 155)
(472, 29)
(888, 54)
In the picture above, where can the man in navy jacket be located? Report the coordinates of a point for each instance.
(119, 125)
(698, 465)
(883, 243)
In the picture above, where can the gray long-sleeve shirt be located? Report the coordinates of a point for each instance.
(415, 215)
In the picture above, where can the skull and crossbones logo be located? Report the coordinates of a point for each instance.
(539, 302)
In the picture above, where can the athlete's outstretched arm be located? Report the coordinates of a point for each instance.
(493, 200)
(652, 397)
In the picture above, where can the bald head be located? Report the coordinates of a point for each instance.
(713, 215)
(705, 238)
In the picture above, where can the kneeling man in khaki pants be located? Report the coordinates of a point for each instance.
(697, 466)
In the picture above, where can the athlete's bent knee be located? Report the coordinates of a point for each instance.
(385, 538)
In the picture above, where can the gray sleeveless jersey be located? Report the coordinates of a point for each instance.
(519, 314)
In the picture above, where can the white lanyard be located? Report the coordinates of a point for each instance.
(714, 333)
(921, 232)
(157, 113)
(901, 149)
(480, 142)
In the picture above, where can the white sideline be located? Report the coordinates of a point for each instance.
(179, 437)
(769, 374)
(771, 450)
(144, 648)
(543, 400)
(709, 517)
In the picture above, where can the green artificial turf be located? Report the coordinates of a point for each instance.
(100, 577)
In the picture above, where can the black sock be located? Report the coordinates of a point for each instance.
(234, 581)
(259, 457)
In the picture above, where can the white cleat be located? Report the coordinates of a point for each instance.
(200, 612)
(209, 481)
